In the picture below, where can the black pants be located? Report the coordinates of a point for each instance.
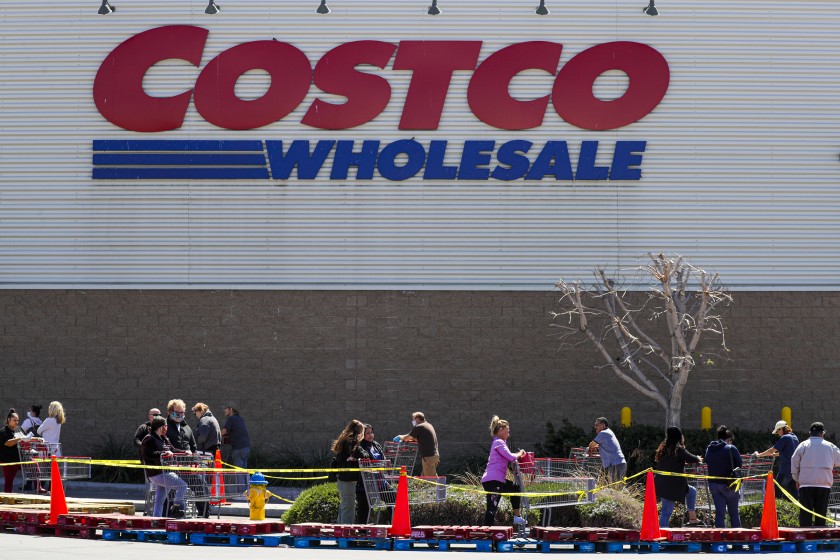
(815, 499)
(494, 499)
(786, 481)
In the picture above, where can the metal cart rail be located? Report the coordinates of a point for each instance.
(381, 479)
(402, 454)
(36, 466)
(565, 480)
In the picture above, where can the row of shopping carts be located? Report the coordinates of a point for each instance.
(36, 469)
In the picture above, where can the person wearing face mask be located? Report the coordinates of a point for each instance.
(154, 447)
(177, 430)
(10, 436)
(424, 434)
(30, 427)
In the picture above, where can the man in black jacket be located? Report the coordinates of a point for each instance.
(145, 428)
(177, 430)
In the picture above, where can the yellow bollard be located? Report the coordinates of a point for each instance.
(705, 418)
(257, 496)
(786, 415)
(626, 416)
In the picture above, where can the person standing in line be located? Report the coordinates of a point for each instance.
(606, 445)
(344, 447)
(235, 430)
(494, 478)
(812, 467)
(177, 429)
(208, 439)
(145, 428)
(208, 434)
(30, 427)
(724, 462)
(10, 436)
(33, 421)
(427, 443)
(50, 429)
(368, 449)
(783, 448)
(154, 447)
(672, 456)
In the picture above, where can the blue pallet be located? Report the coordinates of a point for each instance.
(144, 536)
(818, 546)
(234, 540)
(444, 544)
(544, 546)
(655, 546)
(311, 542)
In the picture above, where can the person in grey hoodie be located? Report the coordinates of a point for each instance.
(208, 434)
(811, 465)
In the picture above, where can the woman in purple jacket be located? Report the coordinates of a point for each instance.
(494, 476)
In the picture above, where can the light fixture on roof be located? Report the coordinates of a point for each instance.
(542, 10)
(651, 9)
(106, 8)
(323, 8)
(212, 8)
(433, 9)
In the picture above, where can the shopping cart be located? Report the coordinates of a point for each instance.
(565, 482)
(834, 496)
(753, 486)
(401, 454)
(36, 467)
(381, 480)
(203, 485)
(586, 461)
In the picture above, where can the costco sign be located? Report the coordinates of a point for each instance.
(120, 98)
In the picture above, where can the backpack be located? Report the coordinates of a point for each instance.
(32, 430)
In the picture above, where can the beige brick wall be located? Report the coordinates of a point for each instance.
(302, 363)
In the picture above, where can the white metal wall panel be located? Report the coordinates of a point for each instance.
(741, 170)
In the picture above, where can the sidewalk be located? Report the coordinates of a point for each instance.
(136, 494)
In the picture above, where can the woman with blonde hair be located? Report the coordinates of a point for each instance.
(494, 478)
(345, 447)
(50, 429)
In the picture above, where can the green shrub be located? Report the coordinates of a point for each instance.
(317, 504)
(112, 447)
(464, 505)
(613, 507)
(787, 512)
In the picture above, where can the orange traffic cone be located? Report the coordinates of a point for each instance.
(217, 489)
(650, 517)
(402, 518)
(769, 517)
(58, 502)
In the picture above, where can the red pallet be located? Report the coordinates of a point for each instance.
(83, 520)
(462, 532)
(243, 527)
(361, 531)
(793, 535)
(59, 531)
(186, 525)
(136, 522)
(676, 535)
(311, 530)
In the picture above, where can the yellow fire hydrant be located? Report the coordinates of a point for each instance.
(257, 496)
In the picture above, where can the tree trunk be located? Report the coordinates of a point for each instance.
(672, 415)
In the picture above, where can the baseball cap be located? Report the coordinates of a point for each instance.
(817, 428)
(779, 425)
(230, 404)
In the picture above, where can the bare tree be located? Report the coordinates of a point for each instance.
(676, 298)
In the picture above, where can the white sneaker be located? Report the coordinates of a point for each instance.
(518, 520)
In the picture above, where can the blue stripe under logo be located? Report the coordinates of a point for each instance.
(179, 159)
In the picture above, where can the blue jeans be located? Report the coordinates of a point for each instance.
(669, 505)
(164, 482)
(239, 457)
(725, 499)
(347, 501)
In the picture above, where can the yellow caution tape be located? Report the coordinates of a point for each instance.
(795, 502)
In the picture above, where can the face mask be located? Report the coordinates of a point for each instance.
(177, 416)
(414, 422)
